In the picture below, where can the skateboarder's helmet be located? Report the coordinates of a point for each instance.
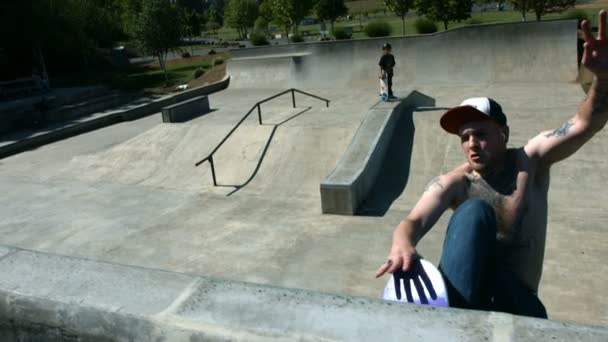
(386, 46)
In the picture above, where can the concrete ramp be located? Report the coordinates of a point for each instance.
(502, 53)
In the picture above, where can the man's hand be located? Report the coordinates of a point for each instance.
(439, 193)
(595, 55)
(402, 256)
(416, 275)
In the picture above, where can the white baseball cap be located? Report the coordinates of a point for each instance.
(472, 109)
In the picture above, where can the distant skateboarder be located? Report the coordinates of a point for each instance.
(494, 246)
(387, 63)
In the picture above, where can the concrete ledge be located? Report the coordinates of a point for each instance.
(45, 297)
(351, 181)
(186, 110)
(132, 113)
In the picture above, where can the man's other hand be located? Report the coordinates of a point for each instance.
(595, 55)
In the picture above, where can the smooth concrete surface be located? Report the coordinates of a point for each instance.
(66, 299)
(356, 173)
(502, 53)
(129, 193)
(186, 110)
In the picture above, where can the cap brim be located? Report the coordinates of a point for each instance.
(454, 118)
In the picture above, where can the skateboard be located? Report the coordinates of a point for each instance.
(383, 89)
(421, 284)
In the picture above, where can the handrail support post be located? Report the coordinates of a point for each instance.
(212, 170)
(293, 97)
(259, 114)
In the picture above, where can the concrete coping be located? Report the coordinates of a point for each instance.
(186, 110)
(280, 55)
(347, 186)
(65, 298)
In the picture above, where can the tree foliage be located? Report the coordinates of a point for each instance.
(265, 11)
(241, 15)
(523, 6)
(155, 30)
(58, 34)
(542, 7)
(445, 10)
(288, 13)
(400, 8)
(330, 10)
(261, 25)
(193, 22)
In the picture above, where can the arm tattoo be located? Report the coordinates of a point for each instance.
(562, 131)
(434, 182)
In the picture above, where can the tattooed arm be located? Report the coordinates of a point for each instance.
(439, 194)
(592, 114)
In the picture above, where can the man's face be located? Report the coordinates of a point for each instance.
(483, 144)
(387, 51)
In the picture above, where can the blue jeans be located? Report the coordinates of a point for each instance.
(469, 265)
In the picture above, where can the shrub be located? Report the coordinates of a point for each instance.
(199, 72)
(378, 29)
(259, 39)
(296, 38)
(340, 33)
(218, 61)
(578, 14)
(185, 54)
(424, 25)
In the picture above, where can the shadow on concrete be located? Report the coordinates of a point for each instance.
(34, 121)
(259, 164)
(394, 171)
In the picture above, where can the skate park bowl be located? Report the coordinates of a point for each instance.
(116, 234)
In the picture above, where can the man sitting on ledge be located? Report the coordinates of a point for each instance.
(494, 246)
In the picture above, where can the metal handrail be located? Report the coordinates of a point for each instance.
(258, 104)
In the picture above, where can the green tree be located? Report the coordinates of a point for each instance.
(241, 15)
(192, 24)
(523, 6)
(542, 7)
(215, 10)
(265, 11)
(157, 31)
(400, 8)
(288, 13)
(330, 10)
(60, 34)
(261, 25)
(445, 10)
(213, 15)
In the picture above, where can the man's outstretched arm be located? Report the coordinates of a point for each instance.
(438, 195)
(592, 115)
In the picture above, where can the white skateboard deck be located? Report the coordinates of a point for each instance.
(383, 89)
(421, 284)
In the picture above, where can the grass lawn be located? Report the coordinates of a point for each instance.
(478, 18)
(364, 5)
(151, 77)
